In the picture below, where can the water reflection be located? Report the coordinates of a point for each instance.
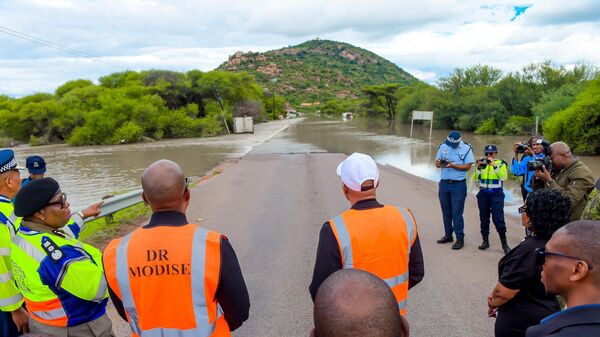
(389, 144)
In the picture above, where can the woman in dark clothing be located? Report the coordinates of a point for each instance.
(519, 300)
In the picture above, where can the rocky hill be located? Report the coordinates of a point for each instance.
(317, 70)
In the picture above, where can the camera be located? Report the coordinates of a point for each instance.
(537, 164)
(483, 163)
(444, 162)
(521, 148)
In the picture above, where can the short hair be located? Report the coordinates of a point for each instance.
(548, 210)
(352, 303)
(586, 241)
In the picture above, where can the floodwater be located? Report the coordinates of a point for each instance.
(88, 173)
(392, 146)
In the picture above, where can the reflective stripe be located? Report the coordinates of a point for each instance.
(51, 314)
(6, 277)
(63, 270)
(28, 248)
(345, 242)
(4, 251)
(124, 287)
(101, 290)
(410, 227)
(4, 302)
(203, 325)
(402, 304)
(396, 280)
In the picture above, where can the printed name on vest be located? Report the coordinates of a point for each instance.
(160, 266)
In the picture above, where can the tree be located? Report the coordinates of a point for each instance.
(385, 97)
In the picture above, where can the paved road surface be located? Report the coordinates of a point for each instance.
(272, 206)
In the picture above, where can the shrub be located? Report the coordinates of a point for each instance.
(518, 125)
(129, 132)
(488, 127)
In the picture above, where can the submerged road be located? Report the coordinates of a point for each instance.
(272, 206)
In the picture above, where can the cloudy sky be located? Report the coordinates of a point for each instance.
(44, 43)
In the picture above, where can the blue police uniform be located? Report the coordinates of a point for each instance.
(453, 186)
(519, 168)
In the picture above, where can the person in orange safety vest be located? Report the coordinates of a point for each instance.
(377, 238)
(170, 277)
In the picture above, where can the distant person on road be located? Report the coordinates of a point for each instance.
(370, 236)
(570, 269)
(357, 303)
(534, 149)
(171, 277)
(519, 299)
(592, 208)
(568, 175)
(60, 277)
(490, 173)
(455, 158)
(36, 166)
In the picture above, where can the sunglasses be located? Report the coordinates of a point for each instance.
(489, 154)
(541, 254)
(61, 202)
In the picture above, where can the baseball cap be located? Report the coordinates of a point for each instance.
(453, 139)
(35, 165)
(356, 169)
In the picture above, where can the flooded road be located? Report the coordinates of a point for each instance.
(392, 146)
(87, 173)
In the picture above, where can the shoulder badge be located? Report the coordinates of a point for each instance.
(52, 249)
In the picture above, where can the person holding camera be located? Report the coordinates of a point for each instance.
(491, 174)
(531, 150)
(455, 158)
(568, 175)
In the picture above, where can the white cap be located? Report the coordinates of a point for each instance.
(357, 169)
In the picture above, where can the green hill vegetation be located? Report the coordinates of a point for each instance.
(317, 71)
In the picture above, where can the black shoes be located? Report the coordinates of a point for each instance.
(445, 239)
(458, 244)
(484, 245)
(505, 247)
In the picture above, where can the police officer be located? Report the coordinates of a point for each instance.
(377, 238)
(535, 149)
(170, 277)
(491, 173)
(455, 158)
(36, 166)
(13, 318)
(60, 278)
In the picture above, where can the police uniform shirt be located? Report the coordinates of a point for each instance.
(462, 154)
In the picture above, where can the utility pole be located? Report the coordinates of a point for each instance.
(221, 105)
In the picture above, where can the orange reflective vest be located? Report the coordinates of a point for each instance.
(167, 278)
(378, 240)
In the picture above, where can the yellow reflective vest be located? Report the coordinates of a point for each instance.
(10, 298)
(491, 178)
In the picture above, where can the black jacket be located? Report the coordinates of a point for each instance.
(231, 295)
(329, 259)
(579, 321)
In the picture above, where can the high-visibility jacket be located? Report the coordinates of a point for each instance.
(10, 297)
(490, 178)
(61, 279)
(167, 279)
(378, 240)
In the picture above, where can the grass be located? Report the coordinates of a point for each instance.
(101, 230)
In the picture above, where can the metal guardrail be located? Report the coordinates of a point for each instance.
(121, 201)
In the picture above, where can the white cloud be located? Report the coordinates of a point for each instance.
(428, 37)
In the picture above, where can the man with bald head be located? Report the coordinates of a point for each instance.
(571, 269)
(357, 303)
(568, 175)
(171, 277)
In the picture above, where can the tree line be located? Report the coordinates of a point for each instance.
(484, 100)
(130, 106)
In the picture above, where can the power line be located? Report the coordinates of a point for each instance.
(34, 39)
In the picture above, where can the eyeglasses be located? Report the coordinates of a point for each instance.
(541, 254)
(522, 209)
(489, 154)
(61, 202)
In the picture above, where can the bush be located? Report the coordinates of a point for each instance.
(488, 127)
(129, 132)
(518, 125)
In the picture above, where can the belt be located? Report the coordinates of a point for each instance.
(450, 181)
